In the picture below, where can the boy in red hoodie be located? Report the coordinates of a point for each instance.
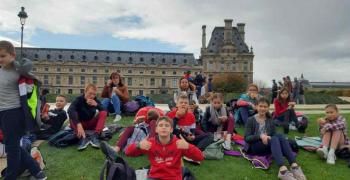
(165, 152)
(184, 124)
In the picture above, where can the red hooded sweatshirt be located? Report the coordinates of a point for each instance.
(187, 122)
(279, 108)
(165, 159)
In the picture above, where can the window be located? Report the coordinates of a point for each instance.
(70, 91)
(163, 61)
(152, 82)
(152, 72)
(129, 81)
(141, 72)
(174, 61)
(130, 92)
(94, 80)
(34, 69)
(71, 57)
(130, 60)
(175, 83)
(245, 66)
(70, 69)
(152, 91)
(141, 60)
(118, 71)
(163, 72)
(58, 91)
(58, 79)
(70, 80)
(96, 58)
(82, 80)
(106, 70)
(185, 61)
(81, 91)
(60, 56)
(140, 92)
(174, 72)
(233, 66)
(46, 69)
(36, 56)
(83, 70)
(119, 58)
(58, 69)
(107, 58)
(48, 56)
(83, 57)
(163, 82)
(46, 79)
(94, 70)
(152, 60)
(129, 71)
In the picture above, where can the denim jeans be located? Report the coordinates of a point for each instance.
(18, 159)
(113, 101)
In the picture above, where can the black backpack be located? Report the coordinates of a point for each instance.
(117, 169)
(63, 139)
(302, 123)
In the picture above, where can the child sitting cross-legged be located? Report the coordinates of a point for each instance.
(165, 151)
(334, 133)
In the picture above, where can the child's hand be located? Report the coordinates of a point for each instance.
(264, 138)
(182, 144)
(116, 90)
(223, 118)
(80, 131)
(45, 117)
(91, 102)
(321, 121)
(190, 137)
(145, 144)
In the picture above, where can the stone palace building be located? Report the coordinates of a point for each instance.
(67, 71)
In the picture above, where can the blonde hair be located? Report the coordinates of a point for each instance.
(217, 96)
(166, 119)
(90, 86)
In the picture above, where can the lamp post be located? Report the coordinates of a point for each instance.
(22, 17)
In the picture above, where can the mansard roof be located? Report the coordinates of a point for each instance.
(217, 40)
(128, 57)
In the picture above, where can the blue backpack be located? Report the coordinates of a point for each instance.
(144, 101)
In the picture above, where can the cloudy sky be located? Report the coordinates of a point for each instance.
(288, 37)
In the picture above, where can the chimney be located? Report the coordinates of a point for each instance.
(228, 31)
(203, 37)
(241, 32)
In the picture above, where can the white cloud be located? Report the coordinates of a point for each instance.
(289, 37)
(15, 42)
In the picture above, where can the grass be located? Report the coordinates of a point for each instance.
(68, 163)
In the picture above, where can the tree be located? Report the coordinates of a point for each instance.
(229, 82)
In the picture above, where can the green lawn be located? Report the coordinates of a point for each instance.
(69, 164)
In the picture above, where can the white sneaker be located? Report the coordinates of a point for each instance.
(322, 152)
(331, 158)
(227, 145)
(117, 118)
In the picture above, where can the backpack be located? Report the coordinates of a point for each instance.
(144, 101)
(302, 123)
(117, 169)
(131, 107)
(214, 150)
(140, 133)
(63, 138)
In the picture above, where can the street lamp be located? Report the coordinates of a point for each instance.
(22, 17)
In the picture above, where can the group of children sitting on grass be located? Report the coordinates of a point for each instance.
(183, 132)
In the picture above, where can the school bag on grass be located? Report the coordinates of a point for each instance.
(144, 101)
(63, 138)
(308, 143)
(140, 133)
(130, 108)
(214, 151)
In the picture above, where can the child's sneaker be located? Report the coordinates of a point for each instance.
(298, 173)
(117, 118)
(83, 144)
(227, 145)
(40, 176)
(191, 161)
(285, 175)
(322, 152)
(35, 153)
(331, 158)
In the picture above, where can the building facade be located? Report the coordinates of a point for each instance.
(67, 71)
(227, 52)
